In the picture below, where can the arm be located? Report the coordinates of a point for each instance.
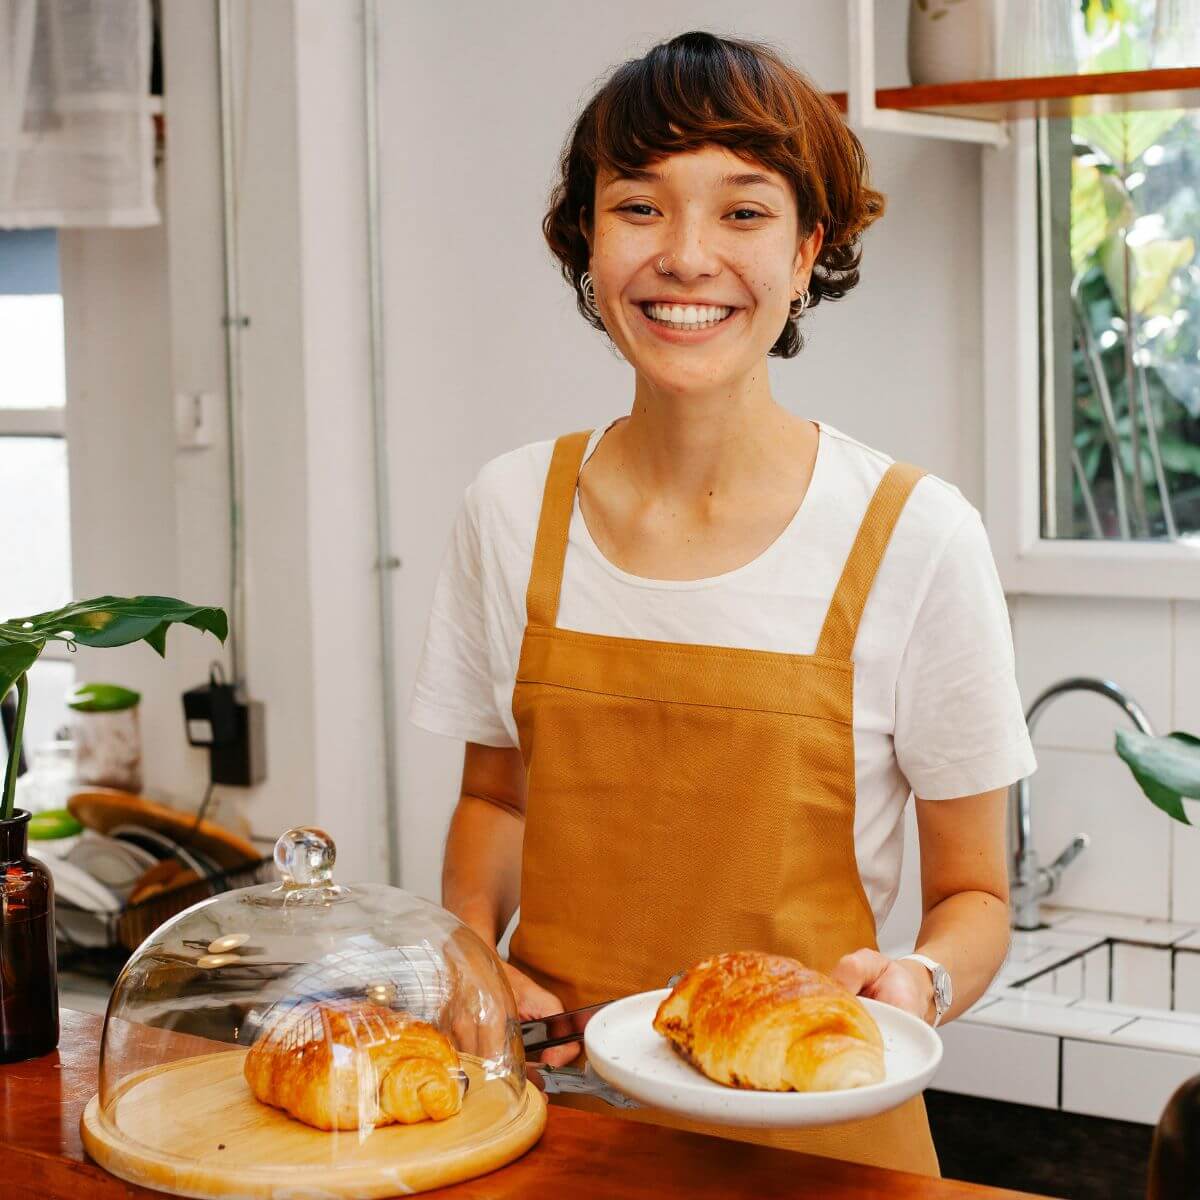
(964, 888)
(481, 872)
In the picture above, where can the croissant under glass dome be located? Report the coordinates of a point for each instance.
(308, 1025)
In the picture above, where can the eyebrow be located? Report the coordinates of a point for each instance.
(742, 179)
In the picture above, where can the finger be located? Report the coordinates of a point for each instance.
(559, 1056)
(859, 970)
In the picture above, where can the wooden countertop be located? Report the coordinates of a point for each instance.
(581, 1155)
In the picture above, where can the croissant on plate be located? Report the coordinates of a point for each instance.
(766, 1022)
(352, 1065)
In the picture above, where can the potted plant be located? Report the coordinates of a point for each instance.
(28, 976)
(1168, 769)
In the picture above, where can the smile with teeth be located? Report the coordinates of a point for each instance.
(687, 316)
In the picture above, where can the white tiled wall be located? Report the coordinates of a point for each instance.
(1185, 896)
(1005, 1064)
(1140, 861)
(1127, 641)
(1124, 870)
(1121, 1082)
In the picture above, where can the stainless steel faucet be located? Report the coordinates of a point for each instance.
(1032, 883)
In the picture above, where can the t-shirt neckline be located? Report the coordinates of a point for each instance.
(580, 532)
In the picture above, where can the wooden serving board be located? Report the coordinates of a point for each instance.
(193, 1128)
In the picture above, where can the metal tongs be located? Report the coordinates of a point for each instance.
(559, 1030)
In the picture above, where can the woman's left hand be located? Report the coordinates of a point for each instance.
(902, 983)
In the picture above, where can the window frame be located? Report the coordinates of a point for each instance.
(40, 423)
(1027, 562)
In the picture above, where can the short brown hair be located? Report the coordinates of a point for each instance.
(699, 89)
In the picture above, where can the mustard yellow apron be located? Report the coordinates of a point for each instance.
(686, 800)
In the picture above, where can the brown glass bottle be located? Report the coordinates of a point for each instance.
(28, 972)
(1175, 1157)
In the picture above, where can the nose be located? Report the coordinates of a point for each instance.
(688, 252)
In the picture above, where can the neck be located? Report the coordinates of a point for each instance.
(692, 444)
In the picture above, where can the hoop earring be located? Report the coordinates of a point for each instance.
(798, 306)
(588, 287)
(660, 268)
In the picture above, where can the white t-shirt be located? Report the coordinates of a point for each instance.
(936, 706)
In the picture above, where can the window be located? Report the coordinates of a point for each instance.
(35, 551)
(1119, 224)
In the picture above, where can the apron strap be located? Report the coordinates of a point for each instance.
(550, 549)
(858, 575)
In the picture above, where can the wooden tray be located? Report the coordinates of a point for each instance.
(193, 1128)
(102, 808)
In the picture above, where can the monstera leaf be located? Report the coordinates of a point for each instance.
(1166, 768)
(103, 621)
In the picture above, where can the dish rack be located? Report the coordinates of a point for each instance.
(112, 937)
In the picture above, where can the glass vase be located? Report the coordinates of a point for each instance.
(28, 971)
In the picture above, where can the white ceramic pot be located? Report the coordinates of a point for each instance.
(950, 40)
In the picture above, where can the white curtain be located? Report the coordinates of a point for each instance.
(76, 124)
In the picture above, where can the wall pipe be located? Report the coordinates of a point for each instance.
(386, 562)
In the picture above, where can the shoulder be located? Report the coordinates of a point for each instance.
(505, 497)
(934, 511)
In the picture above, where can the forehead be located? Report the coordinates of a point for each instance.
(706, 167)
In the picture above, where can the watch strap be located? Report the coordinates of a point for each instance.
(939, 1009)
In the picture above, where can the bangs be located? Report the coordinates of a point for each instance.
(692, 92)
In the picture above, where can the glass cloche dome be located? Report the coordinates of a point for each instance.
(311, 1038)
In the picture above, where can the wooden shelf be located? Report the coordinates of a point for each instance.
(1048, 96)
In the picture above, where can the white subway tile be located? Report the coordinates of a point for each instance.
(1186, 711)
(1028, 1013)
(1125, 641)
(1142, 976)
(1097, 976)
(1187, 982)
(1121, 1082)
(1003, 1064)
(1137, 929)
(1068, 979)
(1125, 868)
(1177, 1036)
(1185, 854)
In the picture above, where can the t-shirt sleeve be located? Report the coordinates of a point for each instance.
(960, 728)
(454, 693)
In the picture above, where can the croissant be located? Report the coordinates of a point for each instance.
(766, 1022)
(352, 1064)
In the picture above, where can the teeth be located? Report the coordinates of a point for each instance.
(688, 316)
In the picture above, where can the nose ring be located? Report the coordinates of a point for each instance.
(661, 269)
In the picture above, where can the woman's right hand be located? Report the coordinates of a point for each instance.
(534, 1003)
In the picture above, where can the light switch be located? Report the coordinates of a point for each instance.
(195, 420)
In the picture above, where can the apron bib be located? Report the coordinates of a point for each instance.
(687, 800)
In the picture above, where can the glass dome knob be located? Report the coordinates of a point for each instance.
(304, 856)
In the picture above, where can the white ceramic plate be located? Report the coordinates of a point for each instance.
(625, 1051)
(77, 887)
(116, 864)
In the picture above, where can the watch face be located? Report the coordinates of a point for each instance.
(942, 990)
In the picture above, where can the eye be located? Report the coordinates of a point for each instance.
(746, 214)
(638, 208)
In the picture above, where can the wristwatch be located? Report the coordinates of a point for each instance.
(943, 989)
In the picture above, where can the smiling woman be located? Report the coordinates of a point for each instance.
(792, 176)
(703, 657)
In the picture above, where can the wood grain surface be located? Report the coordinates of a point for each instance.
(193, 1127)
(581, 1155)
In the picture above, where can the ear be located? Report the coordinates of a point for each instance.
(806, 257)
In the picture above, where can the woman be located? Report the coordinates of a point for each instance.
(701, 658)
